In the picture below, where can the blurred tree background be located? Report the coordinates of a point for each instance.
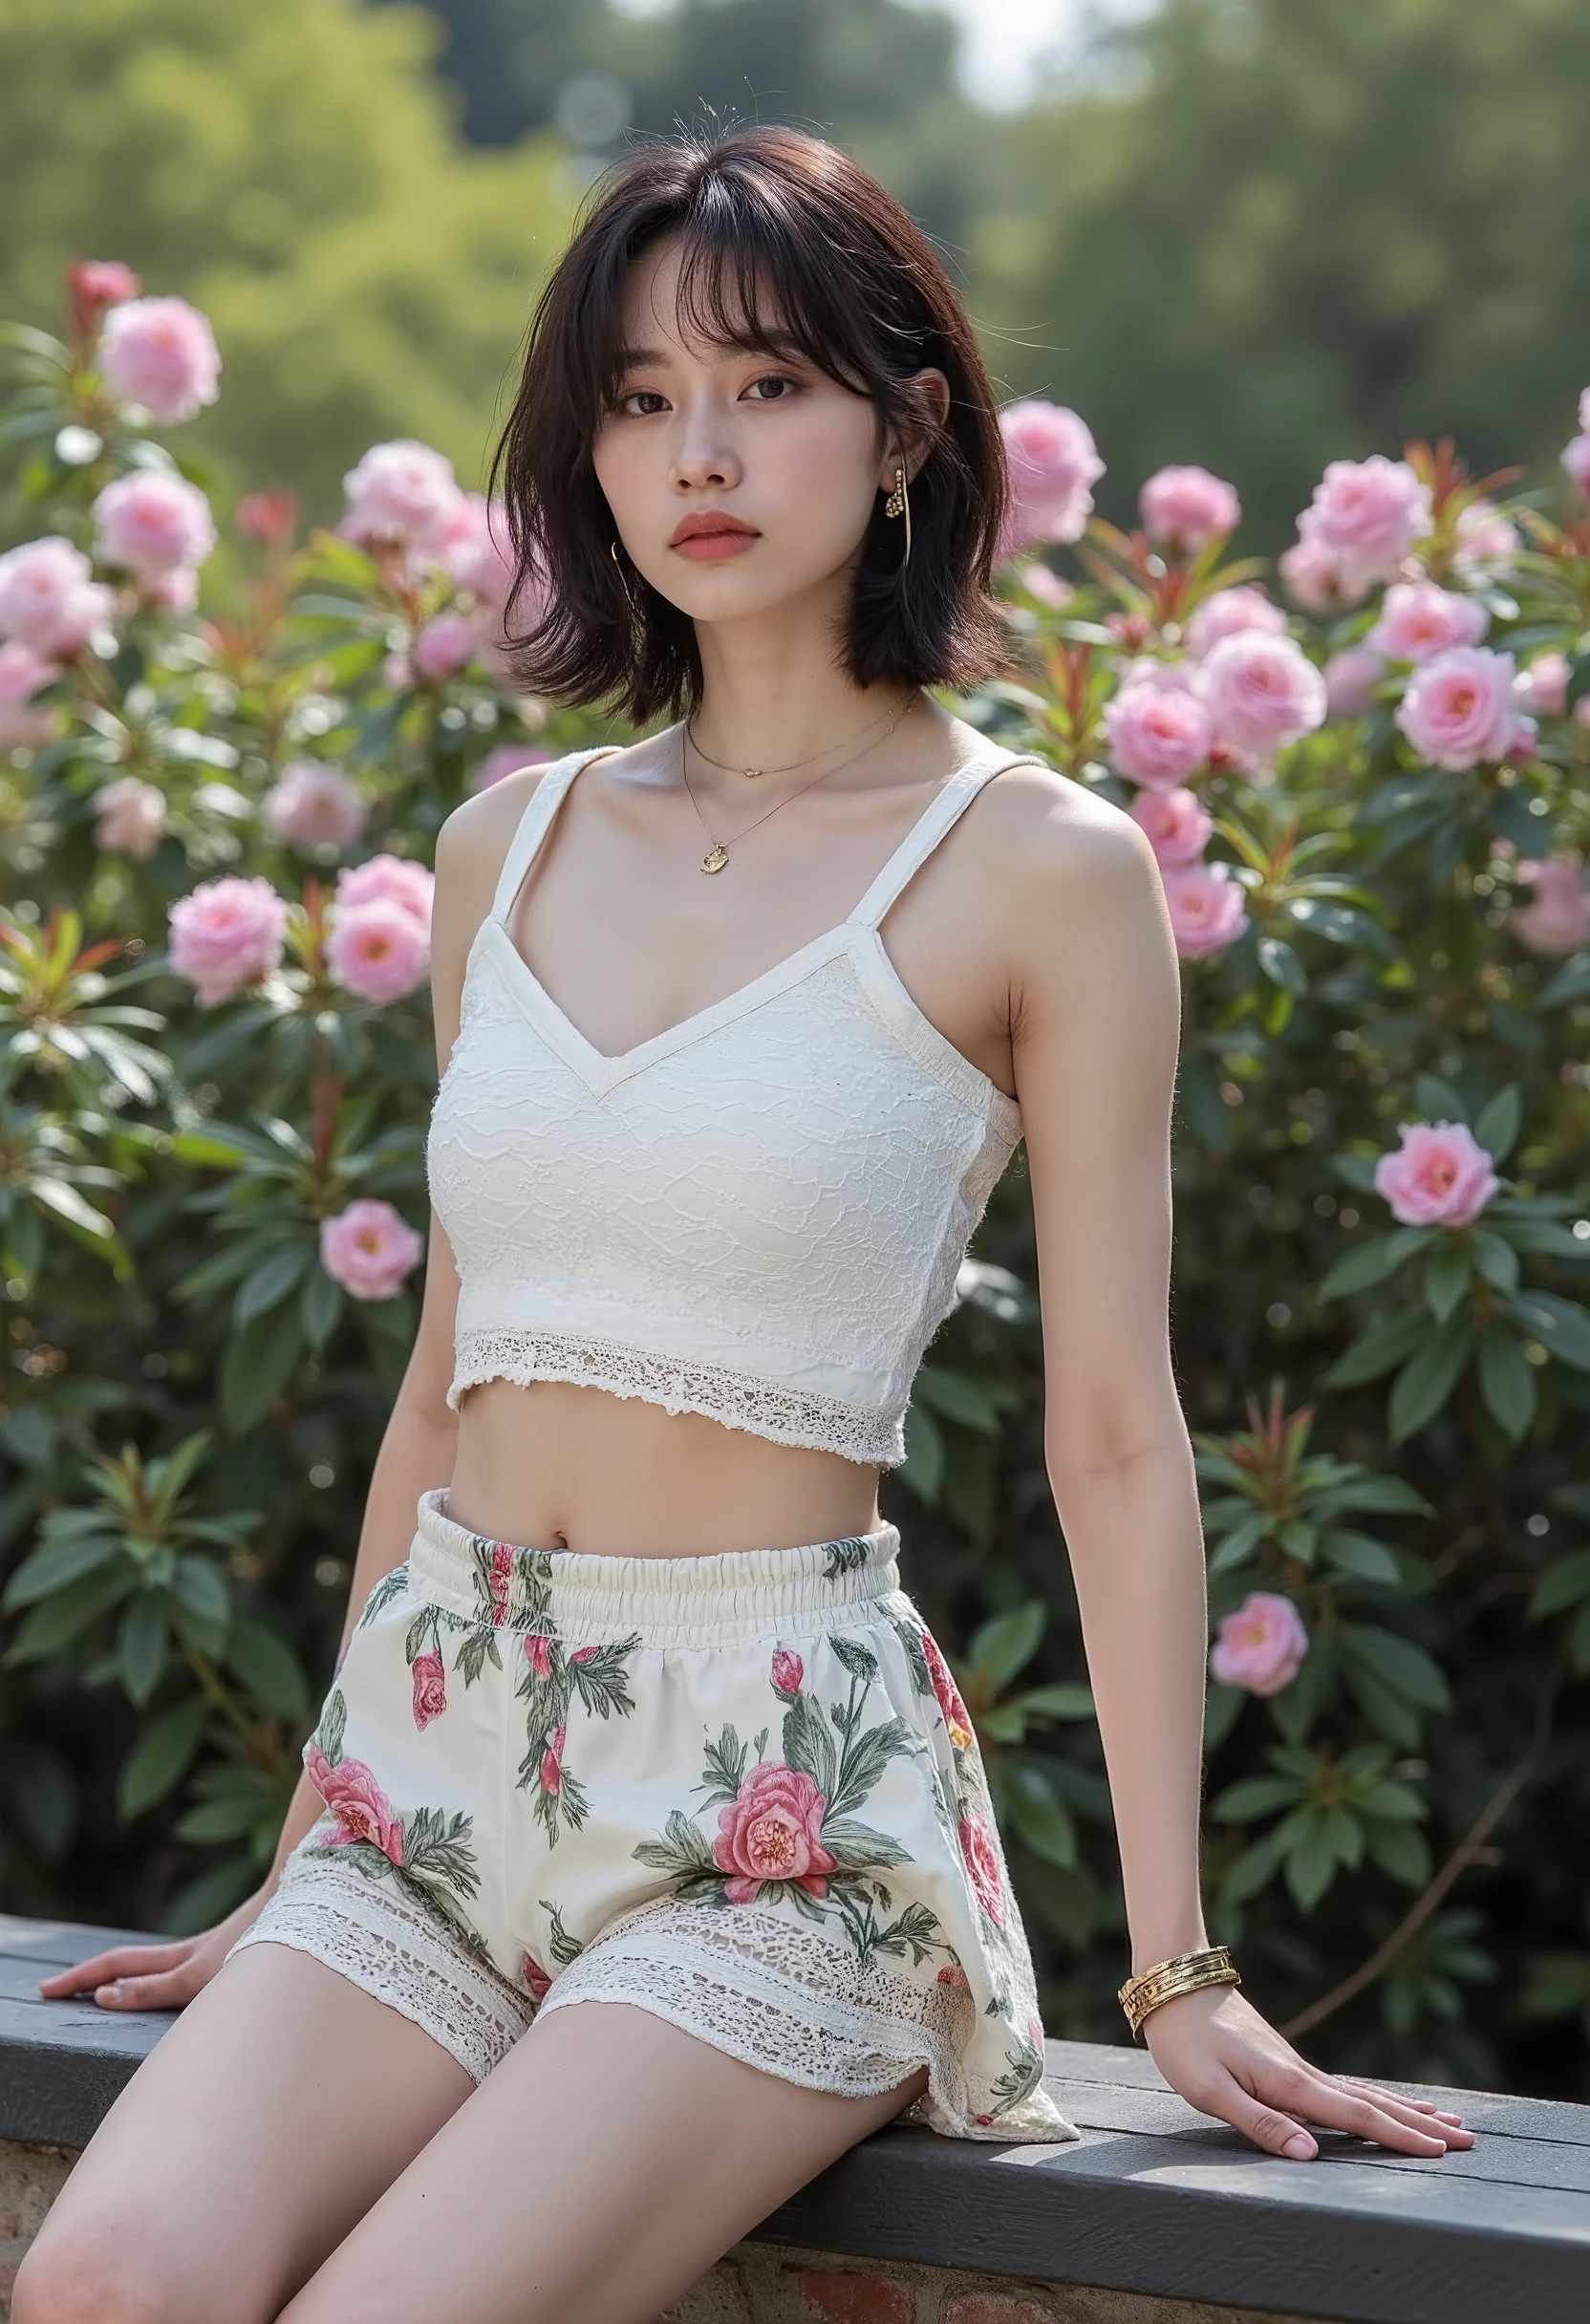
(1254, 233)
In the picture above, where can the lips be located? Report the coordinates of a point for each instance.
(711, 532)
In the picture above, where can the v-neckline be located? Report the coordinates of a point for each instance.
(601, 1071)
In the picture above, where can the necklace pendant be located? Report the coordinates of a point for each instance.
(750, 773)
(716, 861)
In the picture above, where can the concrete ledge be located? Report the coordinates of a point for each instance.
(1155, 2208)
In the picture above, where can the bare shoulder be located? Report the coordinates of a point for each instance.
(1070, 868)
(474, 838)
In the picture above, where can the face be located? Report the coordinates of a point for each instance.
(737, 481)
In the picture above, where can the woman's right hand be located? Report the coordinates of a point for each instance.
(157, 1976)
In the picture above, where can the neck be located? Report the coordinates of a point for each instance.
(775, 694)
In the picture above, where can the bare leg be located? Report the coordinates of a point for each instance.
(252, 2138)
(590, 2179)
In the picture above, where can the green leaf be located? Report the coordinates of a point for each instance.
(1423, 1386)
(319, 1307)
(1240, 1542)
(1281, 964)
(1064, 1699)
(65, 1613)
(1497, 1129)
(56, 1562)
(1360, 1555)
(1002, 1646)
(1379, 1496)
(1560, 1325)
(142, 1644)
(1497, 1259)
(269, 1667)
(923, 1466)
(1564, 1583)
(260, 1359)
(1255, 1796)
(1311, 1861)
(808, 1746)
(1379, 1348)
(270, 1282)
(1400, 1850)
(1041, 1821)
(1398, 1662)
(957, 1398)
(1438, 1100)
(160, 1758)
(1505, 1380)
(1447, 1273)
(1372, 1263)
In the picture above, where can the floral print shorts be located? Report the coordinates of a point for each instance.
(740, 1790)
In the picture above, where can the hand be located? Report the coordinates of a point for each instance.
(155, 1976)
(1217, 2050)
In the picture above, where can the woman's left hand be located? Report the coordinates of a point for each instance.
(1217, 2050)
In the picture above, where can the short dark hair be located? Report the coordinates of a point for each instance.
(788, 244)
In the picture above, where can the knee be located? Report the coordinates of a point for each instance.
(93, 2275)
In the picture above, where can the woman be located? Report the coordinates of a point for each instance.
(638, 1718)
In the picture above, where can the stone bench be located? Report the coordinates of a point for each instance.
(1158, 2216)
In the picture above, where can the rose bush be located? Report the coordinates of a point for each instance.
(1368, 785)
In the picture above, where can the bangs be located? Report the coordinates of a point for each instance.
(788, 250)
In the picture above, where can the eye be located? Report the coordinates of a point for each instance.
(780, 383)
(647, 398)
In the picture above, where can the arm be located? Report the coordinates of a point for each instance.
(417, 1444)
(1095, 1014)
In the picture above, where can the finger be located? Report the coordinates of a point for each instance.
(1276, 2133)
(1421, 2113)
(167, 1991)
(119, 1961)
(1337, 2107)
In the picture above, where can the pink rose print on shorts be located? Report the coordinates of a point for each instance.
(952, 1973)
(430, 1689)
(534, 1977)
(354, 1798)
(551, 1763)
(984, 1866)
(538, 1653)
(957, 1717)
(499, 1573)
(789, 1671)
(773, 1831)
(584, 1655)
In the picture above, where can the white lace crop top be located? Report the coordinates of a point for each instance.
(758, 1214)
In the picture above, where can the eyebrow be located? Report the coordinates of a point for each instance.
(785, 350)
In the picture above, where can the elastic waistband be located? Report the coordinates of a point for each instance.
(735, 1594)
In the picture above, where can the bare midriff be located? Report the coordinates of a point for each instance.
(552, 1466)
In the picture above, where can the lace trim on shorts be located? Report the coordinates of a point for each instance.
(793, 2005)
(385, 1945)
(738, 1400)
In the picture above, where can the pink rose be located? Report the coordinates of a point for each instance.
(952, 1973)
(1229, 610)
(976, 1846)
(173, 592)
(552, 1763)
(23, 674)
(1575, 460)
(1262, 692)
(93, 284)
(159, 352)
(228, 934)
(1367, 515)
(369, 1248)
(1036, 579)
(1351, 677)
(538, 1653)
(1207, 911)
(1053, 462)
(377, 951)
(1313, 579)
(430, 1689)
(48, 599)
(1184, 508)
(447, 644)
(388, 879)
(789, 1671)
(313, 805)
(267, 516)
(947, 1695)
(129, 818)
(1438, 1178)
(401, 493)
(1486, 544)
(1261, 1645)
(1543, 686)
(533, 1977)
(773, 1831)
(1158, 728)
(499, 1576)
(476, 551)
(1460, 709)
(1417, 622)
(1556, 918)
(151, 523)
(584, 1655)
(358, 1802)
(507, 760)
(1176, 823)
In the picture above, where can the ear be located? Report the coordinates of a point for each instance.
(909, 444)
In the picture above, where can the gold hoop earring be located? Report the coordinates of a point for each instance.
(624, 581)
(898, 503)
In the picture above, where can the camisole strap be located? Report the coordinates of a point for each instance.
(544, 803)
(930, 828)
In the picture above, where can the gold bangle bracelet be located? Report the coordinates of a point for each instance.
(1169, 1980)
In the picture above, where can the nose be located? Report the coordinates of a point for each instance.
(704, 458)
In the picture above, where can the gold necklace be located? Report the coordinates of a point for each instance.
(754, 774)
(718, 855)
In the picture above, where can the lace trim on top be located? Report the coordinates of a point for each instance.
(385, 1945)
(794, 2005)
(738, 1400)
